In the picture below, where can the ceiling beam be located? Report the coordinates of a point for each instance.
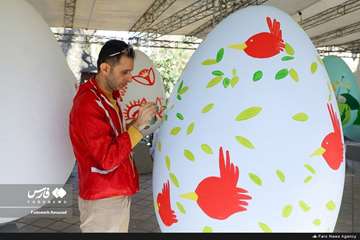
(321, 39)
(157, 8)
(231, 6)
(188, 44)
(69, 13)
(352, 46)
(326, 51)
(190, 14)
(94, 38)
(330, 14)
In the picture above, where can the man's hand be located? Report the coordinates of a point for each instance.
(146, 113)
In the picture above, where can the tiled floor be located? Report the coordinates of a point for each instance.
(143, 216)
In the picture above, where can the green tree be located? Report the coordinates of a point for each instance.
(170, 63)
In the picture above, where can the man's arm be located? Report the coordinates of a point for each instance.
(107, 151)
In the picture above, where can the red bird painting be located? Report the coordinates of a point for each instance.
(264, 44)
(167, 215)
(332, 149)
(219, 197)
(145, 77)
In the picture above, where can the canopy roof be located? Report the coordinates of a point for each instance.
(327, 22)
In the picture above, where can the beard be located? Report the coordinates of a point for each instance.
(111, 83)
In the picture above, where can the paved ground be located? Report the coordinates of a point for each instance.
(143, 216)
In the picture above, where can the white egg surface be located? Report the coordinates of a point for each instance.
(36, 92)
(146, 86)
(252, 140)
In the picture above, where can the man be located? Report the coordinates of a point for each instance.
(103, 144)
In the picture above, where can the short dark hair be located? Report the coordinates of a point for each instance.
(112, 51)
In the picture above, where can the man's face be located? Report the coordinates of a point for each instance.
(120, 74)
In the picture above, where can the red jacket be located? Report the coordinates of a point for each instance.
(102, 146)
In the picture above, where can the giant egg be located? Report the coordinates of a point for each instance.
(36, 92)
(253, 139)
(347, 93)
(146, 86)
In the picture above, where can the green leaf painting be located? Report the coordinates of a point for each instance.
(248, 113)
(183, 90)
(217, 73)
(289, 49)
(282, 74)
(175, 131)
(245, 142)
(264, 227)
(190, 128)
(189, 155)
(304, 206)
(310, 168)
(179, 116)
(301, 117)
(167, 162)
(180, 86)
(313, 67)
(215, 81)
(206, 149)
(257, 75)
(181, 207)
(208, 108)
(308, 179)
(220, 55)
(280, 175)
(255, 179)
(226, 82)
(287, 210)
(317, 222)
(207, 229)
(174, 179)
(294, 75)
(234, 80)
(209, 61)
(218, 58)
(287, 58)
(330, 205)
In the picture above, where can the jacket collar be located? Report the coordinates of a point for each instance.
(99, 92)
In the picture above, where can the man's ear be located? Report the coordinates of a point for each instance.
(105, 68)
